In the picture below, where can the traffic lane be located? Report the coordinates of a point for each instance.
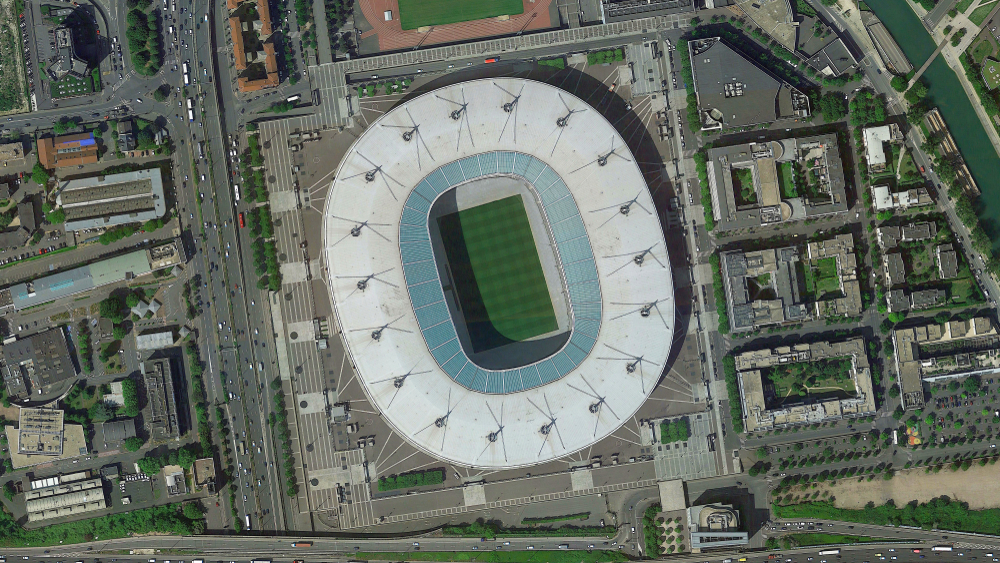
(891, 532)
(249, 546)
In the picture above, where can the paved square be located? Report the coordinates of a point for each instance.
(687, 460)
(474, 495)
(582, 479)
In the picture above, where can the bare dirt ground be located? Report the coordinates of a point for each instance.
(915, 484)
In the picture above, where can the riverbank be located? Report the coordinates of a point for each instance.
(975, 137)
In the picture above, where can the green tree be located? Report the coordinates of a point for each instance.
(150, 465)
(130, 396)
(134, 443)
(898, 83)
(39, 174)
(8, 490)
(160, 94)
(119, 332)
(917, 92)
(193, 510)
(132, 299)
(111, 308)
(833, 106)
(186, 456)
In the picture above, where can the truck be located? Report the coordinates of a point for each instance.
(242, 447)
(941, 548)
(201, 147)
(302, 544)
(830, 552)
(293, 99)
(248, 526)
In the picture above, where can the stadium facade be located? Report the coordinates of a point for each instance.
(599, 244)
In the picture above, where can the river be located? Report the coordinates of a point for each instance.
(950, 98)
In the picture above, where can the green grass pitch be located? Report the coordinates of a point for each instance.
(497, 273)
(414, 14)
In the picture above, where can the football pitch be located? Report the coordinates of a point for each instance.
(497, 273)
(414, 14)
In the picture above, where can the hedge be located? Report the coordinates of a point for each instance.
(605, 57)
(415, 479)
(557, 63)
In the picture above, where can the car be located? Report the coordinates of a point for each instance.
(529, 547)
(244, 498)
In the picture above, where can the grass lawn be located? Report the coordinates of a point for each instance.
(983, 48)
(964, 292)
(804, 540)
(826, 276)
(786, 177)
(908, 165)
(497, 273)
(963, 5)
(978, 16)
(500, 556)
(420, 13)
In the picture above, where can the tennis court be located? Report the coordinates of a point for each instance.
(415, 14)
(497, 273)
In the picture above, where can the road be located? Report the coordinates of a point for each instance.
(880, 81)
(967, 546)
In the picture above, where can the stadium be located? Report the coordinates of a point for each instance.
(498, 273)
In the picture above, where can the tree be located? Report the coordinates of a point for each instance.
(832, 106)
(39, 174)
(130, 396)
(972, 385)
(186, 456)
(193, 510)
(894, 391)
(100, 411)
(144, 137)
(898, 83)
(134, 443)
(917, 92)
(132, 300)
(8, 490)
(160, 94)
(111, 308)
(119, 332)
(762, 452)
(150, 465)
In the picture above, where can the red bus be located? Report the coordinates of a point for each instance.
(492, 60)
(242, 224)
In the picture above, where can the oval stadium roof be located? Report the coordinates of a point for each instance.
(399, 331)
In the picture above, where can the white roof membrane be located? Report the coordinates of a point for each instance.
(601, 216)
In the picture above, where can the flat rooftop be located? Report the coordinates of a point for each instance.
(757, 413)
(733, 91)
(114, 199)
(749, 182)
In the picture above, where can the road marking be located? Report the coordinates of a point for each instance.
(519, 501)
